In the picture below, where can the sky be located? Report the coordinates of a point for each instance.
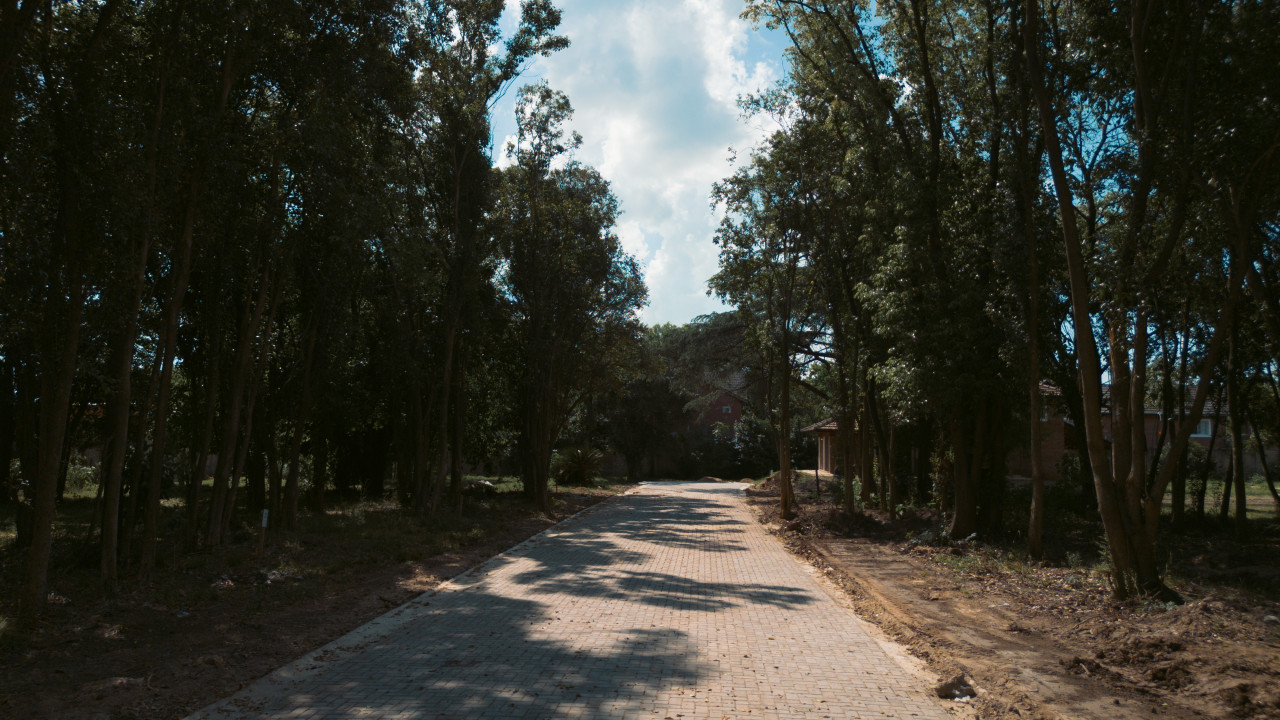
(654, 86)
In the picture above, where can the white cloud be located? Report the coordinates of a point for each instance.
(632, 237)
(502, 158)
(724, 42)
(654, 85)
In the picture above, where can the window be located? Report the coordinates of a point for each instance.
(726, 410)
(1204, 429)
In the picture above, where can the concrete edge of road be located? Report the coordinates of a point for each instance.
(381, 626)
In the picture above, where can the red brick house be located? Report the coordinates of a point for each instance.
(725, 406)
(1058, 435)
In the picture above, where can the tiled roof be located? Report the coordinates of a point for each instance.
(1048, 389)
(829, 424)
(736, 382)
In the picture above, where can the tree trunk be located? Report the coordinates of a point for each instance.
(275, 484)
(1035, 525)
(536, 463)
(151, 517)
(250, 317)
(62, 320)
(445, 396)
(1179, 490)
(1262, 459)
(404, 467)
(128, 523)
(967, 448)
(786, 488)
(1266, 473)
(1236, 401)
(289, 519)
(27, 445)
(884, 445)
(253, 386)
(8, 417)
(844, 436)
(421, 449)
(200, 462)
(1203, 487)
(1128, 576)
(866, 460)
(891, 479)
(319, 472)
(458, 427)
(118, 441)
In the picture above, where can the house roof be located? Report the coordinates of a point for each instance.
(828, 425)
(1048, 389)
(736, 382)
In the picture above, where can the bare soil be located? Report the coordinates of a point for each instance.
(209, 624)
(1045, 640)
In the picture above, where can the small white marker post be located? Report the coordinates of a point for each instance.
(262, 533)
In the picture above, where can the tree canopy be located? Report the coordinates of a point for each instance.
(965, 199)
(268, 239)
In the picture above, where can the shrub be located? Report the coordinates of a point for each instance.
(578, 465)
(837, 492)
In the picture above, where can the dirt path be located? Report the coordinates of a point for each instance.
(1025, 668)
(1050, 643)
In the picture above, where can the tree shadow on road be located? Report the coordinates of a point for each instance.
(596, 563)
(473, 654)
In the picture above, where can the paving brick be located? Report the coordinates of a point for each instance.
(667, 602)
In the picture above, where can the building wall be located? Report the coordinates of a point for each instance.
(725, 409)
(827, 451)
(1054, 440)
(1057, 437)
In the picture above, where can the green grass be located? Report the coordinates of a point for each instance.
(1255, 491)
(359, 532)
(500, 483)
(1258, 500)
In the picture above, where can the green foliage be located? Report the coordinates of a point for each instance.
(573, 292)
(80, 475)
(902, 228)
(837, 493)
(576, 465)
(275, 232)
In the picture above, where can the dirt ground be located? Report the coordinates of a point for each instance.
(1037, 640)
(209, 625)
(1045, 640)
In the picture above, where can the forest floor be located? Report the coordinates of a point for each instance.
(1045, 640)
(210, 623)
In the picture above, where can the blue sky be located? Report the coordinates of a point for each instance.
(654, 85)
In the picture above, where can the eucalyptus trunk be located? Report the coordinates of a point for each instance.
(200, 461)
(289, 510)
(1236, 401)
(250, 317)
(62, 322)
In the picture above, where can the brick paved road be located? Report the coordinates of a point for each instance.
(670, 602)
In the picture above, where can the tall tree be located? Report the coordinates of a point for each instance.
(573, 291)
